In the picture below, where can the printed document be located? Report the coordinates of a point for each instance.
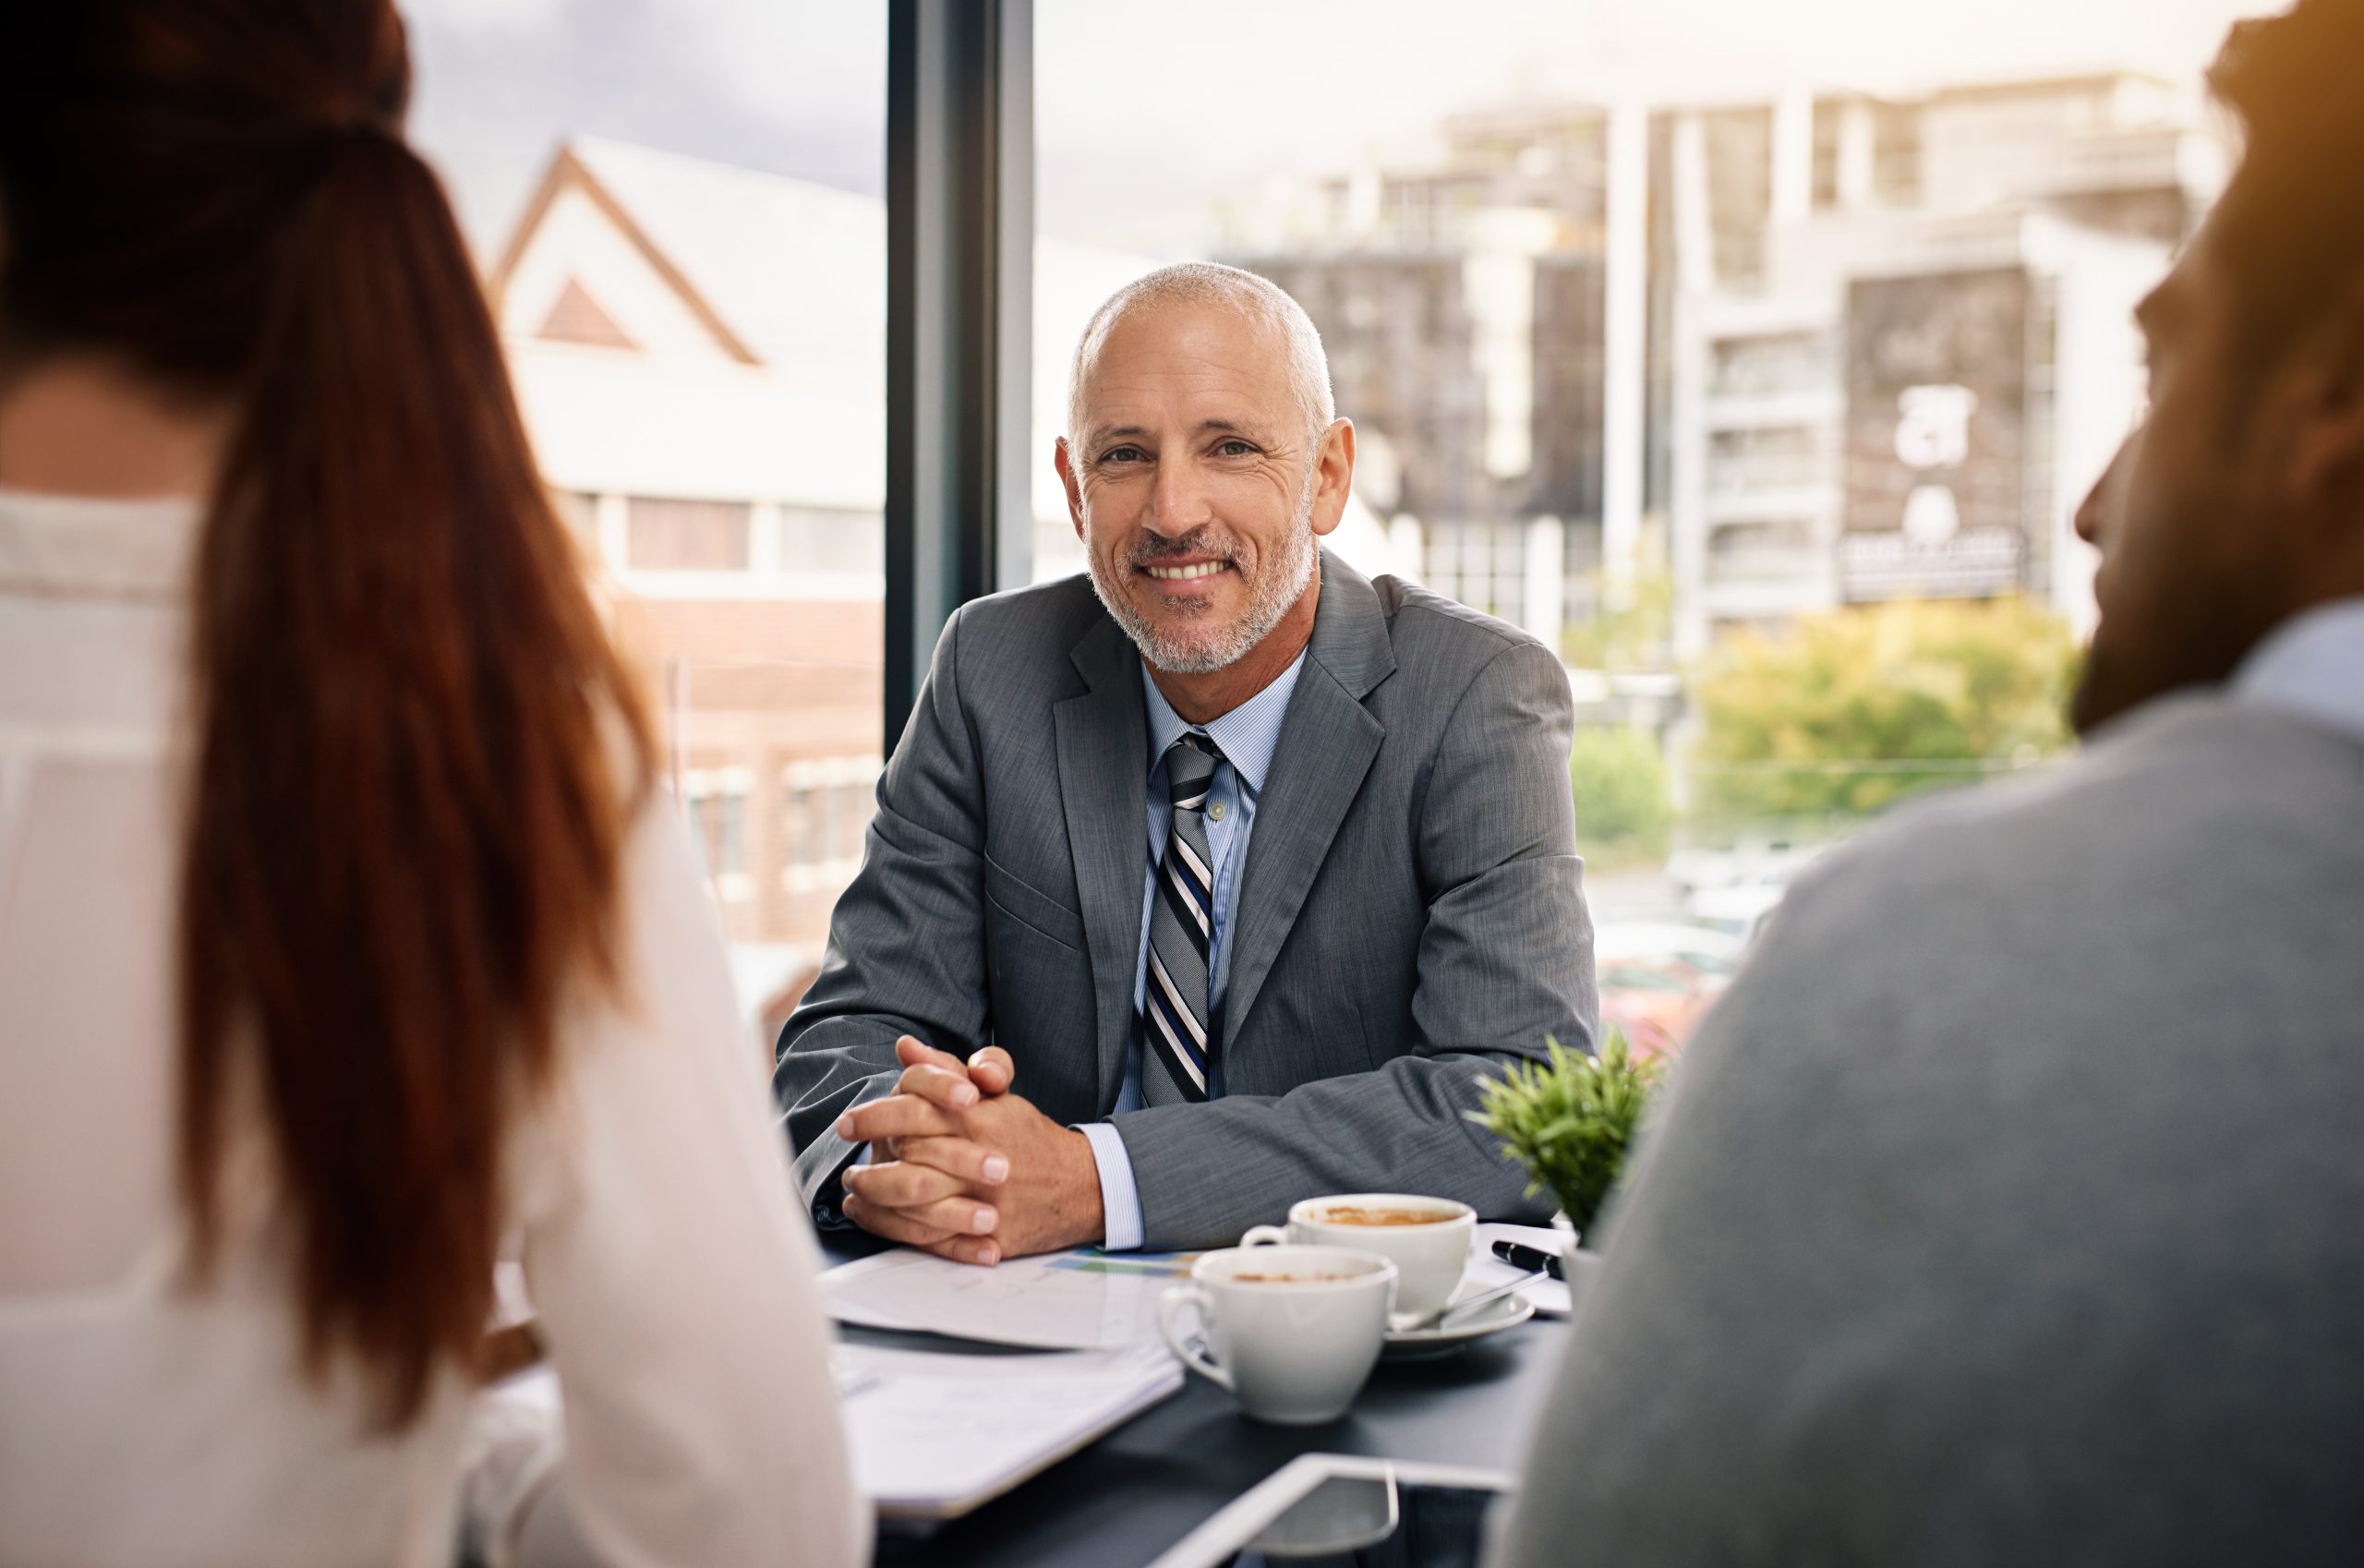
(935, 1435)
(1081, 1301)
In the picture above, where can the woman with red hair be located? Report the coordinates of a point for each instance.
(346, 946)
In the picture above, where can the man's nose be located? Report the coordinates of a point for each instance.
(2092, 509)
(2088, 518)
(1180, 501)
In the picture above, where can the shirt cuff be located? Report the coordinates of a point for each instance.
(828, 1204)
(1120, 1200)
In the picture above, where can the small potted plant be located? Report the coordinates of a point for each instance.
(1569, 1122)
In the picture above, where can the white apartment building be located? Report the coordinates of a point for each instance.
(1901, 353)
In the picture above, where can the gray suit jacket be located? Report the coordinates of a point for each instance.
(2009, 1207)
(1410, 916)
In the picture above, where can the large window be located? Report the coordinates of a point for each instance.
(679, 211)
(1682, 335)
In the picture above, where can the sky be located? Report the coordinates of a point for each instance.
(1150, 112)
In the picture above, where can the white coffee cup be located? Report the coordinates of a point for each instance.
(1293, 1330)
(1431, 1252)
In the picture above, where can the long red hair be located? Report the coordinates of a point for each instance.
(413, 752)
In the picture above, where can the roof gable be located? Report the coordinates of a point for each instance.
(578, 318)
(568, 175)
(797, 270)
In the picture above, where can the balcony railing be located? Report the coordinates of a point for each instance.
(1767, 471)
(1767, 564)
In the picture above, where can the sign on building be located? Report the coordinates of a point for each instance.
(1937, 394)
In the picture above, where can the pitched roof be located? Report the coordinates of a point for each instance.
(789, 271)
(796, 270)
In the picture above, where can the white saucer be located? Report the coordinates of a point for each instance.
(1420, 1344)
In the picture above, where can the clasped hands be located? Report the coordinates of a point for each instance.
(962, 1167)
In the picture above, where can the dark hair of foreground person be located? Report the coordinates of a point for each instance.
(411, 751)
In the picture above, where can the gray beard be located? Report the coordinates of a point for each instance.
(1276, 590)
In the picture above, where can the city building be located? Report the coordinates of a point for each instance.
(1902, 340)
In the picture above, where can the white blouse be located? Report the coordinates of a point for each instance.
(142, 1424)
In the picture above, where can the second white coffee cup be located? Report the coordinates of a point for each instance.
(1426, 1238)
(1291, 1331)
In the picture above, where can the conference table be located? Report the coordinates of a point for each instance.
(1135, 1493)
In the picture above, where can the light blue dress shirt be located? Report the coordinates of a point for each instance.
(2312, 665)
(1246, 736)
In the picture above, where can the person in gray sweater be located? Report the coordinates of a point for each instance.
(2010, 1207)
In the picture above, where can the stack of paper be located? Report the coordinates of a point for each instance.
(935, 1434)
(1081, 1301)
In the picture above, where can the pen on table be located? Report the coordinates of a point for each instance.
(1529, 1259)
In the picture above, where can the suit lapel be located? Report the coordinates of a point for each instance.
(1102, 741)
(1328, 742)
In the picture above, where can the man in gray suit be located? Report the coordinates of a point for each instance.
(2010, 1207)
(1210, 882)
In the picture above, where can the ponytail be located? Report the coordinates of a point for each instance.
(415, 756)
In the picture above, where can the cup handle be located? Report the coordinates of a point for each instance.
(1265, 1235)
(1169, 1311)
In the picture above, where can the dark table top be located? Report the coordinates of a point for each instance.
(1146, 1485)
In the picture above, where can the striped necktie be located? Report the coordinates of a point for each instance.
(1177, 1026)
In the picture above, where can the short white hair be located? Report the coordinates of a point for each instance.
(1262, 301)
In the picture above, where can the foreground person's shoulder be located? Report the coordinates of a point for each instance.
(2189, 784)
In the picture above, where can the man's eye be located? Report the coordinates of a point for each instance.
(1234, 448)
(1122, 455)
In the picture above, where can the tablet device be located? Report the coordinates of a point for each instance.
(1332, 1511)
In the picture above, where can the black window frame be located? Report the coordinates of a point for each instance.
(960, 319)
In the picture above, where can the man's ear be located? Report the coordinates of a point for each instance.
(1064, 461)
(1333, 474)
(2326, 452)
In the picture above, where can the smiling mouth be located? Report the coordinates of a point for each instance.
(1187, 573)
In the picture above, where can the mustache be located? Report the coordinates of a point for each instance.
(1151, 548)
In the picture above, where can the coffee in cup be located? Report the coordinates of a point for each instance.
(1291, 1332)
(1360, 1214)
(1428, 1238)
